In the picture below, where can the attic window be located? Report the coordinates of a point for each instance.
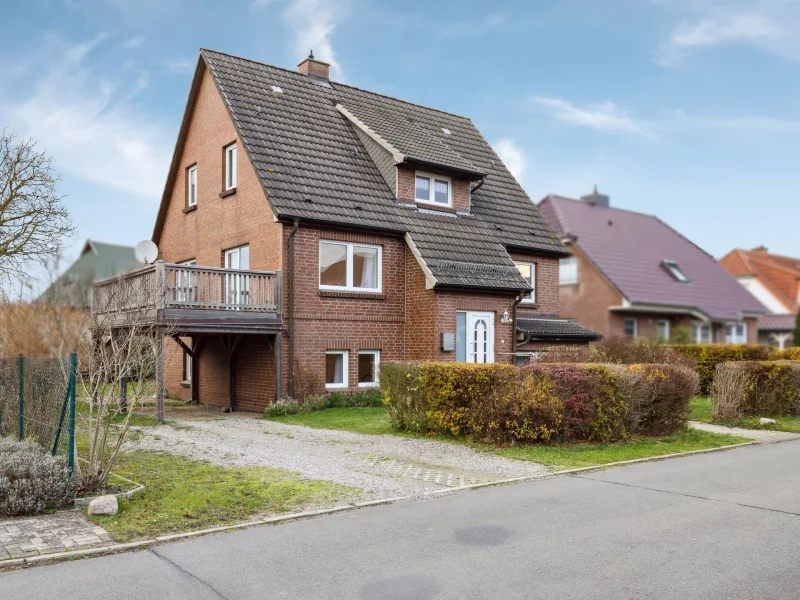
(673, 269)
(433, 189)
(276, 89)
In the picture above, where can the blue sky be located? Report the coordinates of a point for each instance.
(688, 109)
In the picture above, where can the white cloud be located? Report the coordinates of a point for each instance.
(770, 25)
(134, 42)
(512, 156)
(605, 116)
(312, 23)
(88, 123)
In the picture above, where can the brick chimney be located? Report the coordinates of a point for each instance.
(315, 68)
(762, 249)
(597, 199)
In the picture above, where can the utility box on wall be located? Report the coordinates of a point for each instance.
(448, 342)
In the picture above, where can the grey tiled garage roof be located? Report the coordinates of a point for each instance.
(314, 167)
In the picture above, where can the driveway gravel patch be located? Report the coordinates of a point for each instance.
(351, 459)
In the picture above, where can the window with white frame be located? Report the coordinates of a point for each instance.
(191, 186)
(528, 272)
(185, 282)
(368, 367)
(187, 366)
(349, 266)
(336, 369)
(631, 327)
(701, 333)
(230, 167)
(433, 189)
(663, 330)
(736, 333)
(568, 270)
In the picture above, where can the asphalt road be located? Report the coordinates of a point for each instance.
(724, 525)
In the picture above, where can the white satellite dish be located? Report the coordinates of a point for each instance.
(146, 252)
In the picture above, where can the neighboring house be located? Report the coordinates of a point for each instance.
(630, 274)
(97, 261)
(320, 230)
(775, 281)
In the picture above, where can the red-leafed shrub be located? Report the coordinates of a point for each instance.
(571, 384)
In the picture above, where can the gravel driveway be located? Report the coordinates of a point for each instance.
(380, 465)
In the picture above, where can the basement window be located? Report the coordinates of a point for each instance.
(336, 369)
(674, 269)
(368, 365)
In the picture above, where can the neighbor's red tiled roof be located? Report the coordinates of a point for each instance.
(779, 274)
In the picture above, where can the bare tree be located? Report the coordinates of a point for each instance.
(33, 219)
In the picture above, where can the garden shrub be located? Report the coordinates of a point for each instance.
(756, 388)
(619, 350)
(708, 356)
(313, 403)
(571, 384)
(787, 354)
(656, 397)
(32, 480)
(403, 396)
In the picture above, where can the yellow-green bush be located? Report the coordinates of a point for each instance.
(787, 354)
(708, 356)
(539, 402)
(756, 388)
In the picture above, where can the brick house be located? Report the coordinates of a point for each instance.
(775, 281)
(313, 229)
(631, 274)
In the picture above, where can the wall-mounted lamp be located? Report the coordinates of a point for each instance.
(506, 318)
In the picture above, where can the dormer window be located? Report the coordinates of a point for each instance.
(433, 189)
(677, 273)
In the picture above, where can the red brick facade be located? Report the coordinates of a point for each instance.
(404, 321)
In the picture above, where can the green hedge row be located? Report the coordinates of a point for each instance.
(539, 402)
(756, 388)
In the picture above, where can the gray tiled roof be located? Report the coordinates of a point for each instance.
(556, 328)
(314, 166)
(777, 322)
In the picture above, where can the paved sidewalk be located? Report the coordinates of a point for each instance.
(762, 436)
(46, 534)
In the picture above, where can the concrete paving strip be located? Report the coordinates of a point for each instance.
(760, 436)
(112, 549)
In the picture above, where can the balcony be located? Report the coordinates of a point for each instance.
(190, 299)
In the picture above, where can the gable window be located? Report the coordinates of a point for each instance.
(191, 186)
(230, 167)
(701, 333)
(528, 272)
(349, 266)
(631, 327)
(336, 369)
(674, 269)
(368, 367)
(433, 189)
(663, 330)
(568, 270)
(736, 333)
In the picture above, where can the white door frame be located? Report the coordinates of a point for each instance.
(480, 337)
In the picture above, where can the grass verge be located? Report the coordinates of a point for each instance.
(182, 494)
(376, 421)
(701, 411)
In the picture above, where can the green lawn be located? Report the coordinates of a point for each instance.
(701, 411)
(183, 494)
(376, 421)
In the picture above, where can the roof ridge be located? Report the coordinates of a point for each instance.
(299, 74)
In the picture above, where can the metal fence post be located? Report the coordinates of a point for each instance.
(21, 368)
(73, 368)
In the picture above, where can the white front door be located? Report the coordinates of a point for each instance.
(237, 285)
(480, 337)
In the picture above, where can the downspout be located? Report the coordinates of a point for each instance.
(479, 186)
(291, 306)
(517, 300)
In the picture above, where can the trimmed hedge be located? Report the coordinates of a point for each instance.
(619, 350)
(787, 354)
(708, 356)
(756, 388)
(538, 402)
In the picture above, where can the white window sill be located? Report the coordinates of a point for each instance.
(336, 288)
(368, 384)
(429, 203)
(335, 386)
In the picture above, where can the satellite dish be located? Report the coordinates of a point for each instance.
(146, 252)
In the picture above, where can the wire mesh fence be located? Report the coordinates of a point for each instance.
(37, 400)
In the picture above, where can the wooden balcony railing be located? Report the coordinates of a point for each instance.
(169, 286)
